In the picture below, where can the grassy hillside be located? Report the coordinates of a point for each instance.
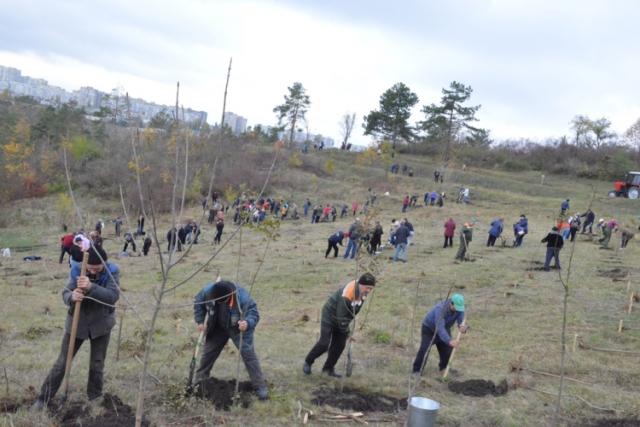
(294, 281)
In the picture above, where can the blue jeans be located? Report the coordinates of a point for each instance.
(400, 247)
(565, 233)
(404, 208)
(306, 210)
(464, 200)
(352, 246)
(552, 253)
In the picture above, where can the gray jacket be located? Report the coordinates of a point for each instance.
(95, 319)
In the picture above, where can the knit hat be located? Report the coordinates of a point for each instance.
(367, 279)
(473, 221)
(220, 291)
(458, 302)
(94, 259)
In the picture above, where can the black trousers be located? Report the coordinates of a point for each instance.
(374, 246)
(64, 250)
(332, 340)
(145, 248)
(444, 350)
(587, 224)
(334, 246)
(97, 355)
(126, 244)
(573, 232)
(448, 241)
(492, 240)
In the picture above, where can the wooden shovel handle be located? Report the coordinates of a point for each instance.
(453, 353)
(74, 329)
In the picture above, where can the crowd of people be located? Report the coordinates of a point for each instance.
(224, 310)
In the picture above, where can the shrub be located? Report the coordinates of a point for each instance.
(515, 165)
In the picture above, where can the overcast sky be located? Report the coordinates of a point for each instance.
(533, 64)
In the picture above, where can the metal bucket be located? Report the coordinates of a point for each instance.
(422, 412)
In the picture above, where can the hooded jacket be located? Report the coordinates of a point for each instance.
(95, 319)
(240, 296)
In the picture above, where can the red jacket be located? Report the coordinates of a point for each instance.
(406, 201)
(327, 209)
(68, 240)
(449, 228)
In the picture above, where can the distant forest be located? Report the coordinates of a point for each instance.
(100, 153)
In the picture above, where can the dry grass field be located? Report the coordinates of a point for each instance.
(511, 313)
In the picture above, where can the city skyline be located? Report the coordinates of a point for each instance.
(87, 97)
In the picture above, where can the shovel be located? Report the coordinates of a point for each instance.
(350, 362)
(453, 353)
(192, 367)
(72, 339)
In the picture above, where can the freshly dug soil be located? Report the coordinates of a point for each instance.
(8, 404)
(117, 414)
(605, 422)
(479, 388)
(220, 392)
(356, 400)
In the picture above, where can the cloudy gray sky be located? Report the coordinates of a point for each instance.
(533, 64)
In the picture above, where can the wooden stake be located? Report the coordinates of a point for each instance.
(542, 181)
(628, 285)
(120, 334)
(620, 326)
(178, 324)
(630, 302)
(505, 291)
(575, 340)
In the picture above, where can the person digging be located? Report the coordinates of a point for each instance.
(466, 235)
(97, 317)
(339, 310)
(438, 323)
(231, 311)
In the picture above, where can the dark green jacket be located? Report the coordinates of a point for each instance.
(342, 307)
(467, 232)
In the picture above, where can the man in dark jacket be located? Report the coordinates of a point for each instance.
(147, 243)
(376, 239)
(412, 233)
(402, 236)
(97, 318)
(339, 310)
(466, 235)
(232, 315)
(554, 243)
(172, 240)
(354, 236)
(438, 322)
(564, 207)
(588, 222)
(495, 231)
(220, 227)
(334, 241)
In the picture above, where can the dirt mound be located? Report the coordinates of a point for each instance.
(479, 388)
(221, 392)
(8, 404)
(616, 272)
(356, 400)
(605, 422)
(117, 414)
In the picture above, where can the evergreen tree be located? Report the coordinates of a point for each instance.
(391, 121)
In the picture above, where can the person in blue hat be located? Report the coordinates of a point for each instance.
(438, 323)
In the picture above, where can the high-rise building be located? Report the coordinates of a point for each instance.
(236, 123)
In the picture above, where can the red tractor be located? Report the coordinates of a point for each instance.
(630, 188)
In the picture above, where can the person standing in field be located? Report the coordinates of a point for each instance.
(625, 236)
(146, 244)
(554, 243)
(355, 208)
(219, 227)
(118, 225)
(574, 225)
(334, 241)
(376, 239)
(449, 232)
(140, 225)
(564, 207)
(495, 231)
(100, 286)
(590, 218)
(344, 211)
(405, 203)
(234, 315)
(401, 237)
(438, 323)
(466, 235)
(354, 237)
(338, 312)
